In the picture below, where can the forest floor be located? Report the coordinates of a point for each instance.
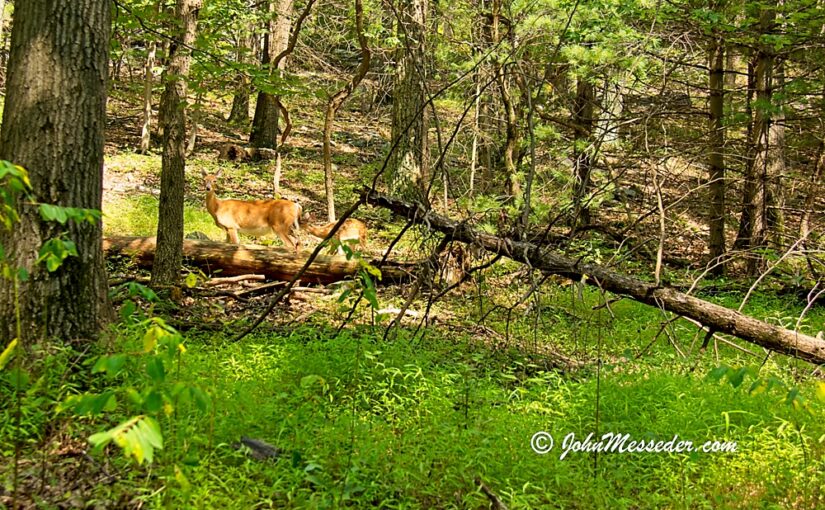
(437, 417)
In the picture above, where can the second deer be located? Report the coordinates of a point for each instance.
(352, 230)
(256, 217)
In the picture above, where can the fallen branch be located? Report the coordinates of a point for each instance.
(232, 279)
(710, 315)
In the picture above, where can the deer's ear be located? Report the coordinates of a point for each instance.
(218, 173)
(203, 172)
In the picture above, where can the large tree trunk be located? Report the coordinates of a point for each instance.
(716, 158)
(337, 100)
(753, 229)
(717, 318)
(408, 168)
(166, 269)
(265, 122)
(583, 164)
(53, 125)
(274, 263)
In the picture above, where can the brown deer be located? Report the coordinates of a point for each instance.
(351, 230)
(256, 217)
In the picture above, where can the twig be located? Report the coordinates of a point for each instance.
(260, 289)
(232, 279)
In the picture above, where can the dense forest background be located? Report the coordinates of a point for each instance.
(580, 217)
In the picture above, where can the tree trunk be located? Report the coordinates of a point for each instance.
(265, 122)
(53, 125)
(511, 137)
(2, 45)
(716, 318)
(716, 158)
(583, 122)
(2, 19)
(337, 100)
(148, 78)
(194, 123)
(753, 228)
(408, 168)
(474, 148)
(239, 114)
(166, 269)
(775, 191)
(274, 263)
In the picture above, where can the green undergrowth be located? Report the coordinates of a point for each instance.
(411, 423)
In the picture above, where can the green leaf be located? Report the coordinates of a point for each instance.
(155, 369)
(736, 377)
(153, 402)
(51, 212)
(200, 397)
(191, 280)
(153, 334)
(717, 373)
(139, 437)
(310, 380)
(182, 480)
(7, 353)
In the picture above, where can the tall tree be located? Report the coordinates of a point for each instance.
(267, 107)
(168, 257)
(337, 100)
(582, 161)
(148, 82)
(753, 225)
(408, 168)
(239, 114)
(53, 125)
(716, 157)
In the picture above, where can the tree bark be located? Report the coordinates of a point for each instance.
(265, 122)
(716, 318)
(408, 168)
(274, 263)
(775, 191)
(337, 100)
(716, 158)
(753, 226)
(583, 122)
(53, 125)
(166, 270)
(148, 79)
(511, 137)
(2, 19)
(239, 114)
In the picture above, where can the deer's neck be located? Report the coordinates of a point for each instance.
(212, 202)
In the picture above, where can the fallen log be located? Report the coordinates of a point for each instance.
(274, 263)
(714, 317)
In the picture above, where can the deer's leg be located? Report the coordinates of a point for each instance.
(232, 236)
(288, 242)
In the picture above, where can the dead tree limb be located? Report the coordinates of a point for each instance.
(712, 316)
